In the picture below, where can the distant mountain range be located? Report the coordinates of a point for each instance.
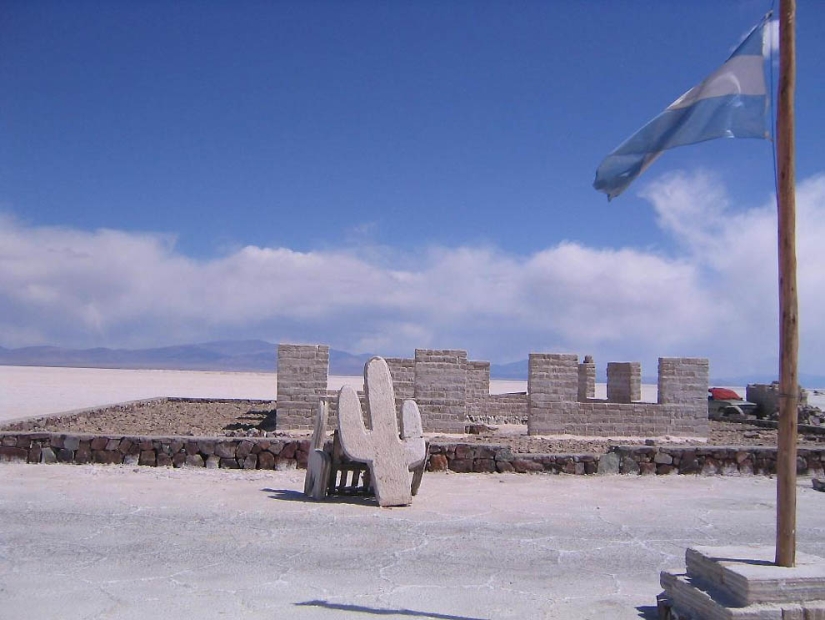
(223, 355)
(261, 356)
(226, 355)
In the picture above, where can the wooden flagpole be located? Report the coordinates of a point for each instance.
(788, 307)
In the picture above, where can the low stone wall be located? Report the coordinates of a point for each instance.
(707, 461)
(210, 452)
(644, 460)
(465, 458)
(598, 418)
(280, 454)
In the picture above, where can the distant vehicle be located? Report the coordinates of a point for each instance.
(725, 402)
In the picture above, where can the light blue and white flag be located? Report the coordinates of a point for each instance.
(732, 102)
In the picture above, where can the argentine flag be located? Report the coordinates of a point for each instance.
(732, 102)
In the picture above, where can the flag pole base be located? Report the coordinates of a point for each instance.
(744, 583)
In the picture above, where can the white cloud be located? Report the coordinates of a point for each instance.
(715, 297)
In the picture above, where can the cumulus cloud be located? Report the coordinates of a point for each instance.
(736, 253)
(714, 296)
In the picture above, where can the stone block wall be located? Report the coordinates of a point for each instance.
(440, 389)
(302, 379)
(552, 384)
(332, 409)
(624, 382)
(684, 381)
(443, 383)
(477, 389)
(605, 419)
(587, 379)
(505, 409)
(553, 377)
(450, 391)
(681, 410)
(402, 371)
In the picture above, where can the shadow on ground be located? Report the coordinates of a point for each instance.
(383, 612)
(290, 495)
(254, 419)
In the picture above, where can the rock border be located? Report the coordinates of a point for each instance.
(458, 457)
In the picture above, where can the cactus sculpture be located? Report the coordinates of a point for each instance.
(390, 458)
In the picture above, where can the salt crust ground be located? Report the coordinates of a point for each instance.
(27, 391)
(130, 542)
(248, 545)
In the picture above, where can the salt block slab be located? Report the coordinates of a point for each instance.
(748, 575)
(691, 601)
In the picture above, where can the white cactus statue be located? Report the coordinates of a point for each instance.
(390, 457)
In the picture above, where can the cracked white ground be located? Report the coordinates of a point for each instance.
(124, 542)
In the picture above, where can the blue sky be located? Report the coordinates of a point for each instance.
(385, 175)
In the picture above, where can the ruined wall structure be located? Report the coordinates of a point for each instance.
(681, 409)
(451, 391)
(441, 389)
(624, 382)
(587, 379)
(303, 371)
(766, 397)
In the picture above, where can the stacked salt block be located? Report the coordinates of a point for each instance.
(624, 382)
(477, 390)
(552, 391)
(720, 583)
(587, 379)
(303, 372)
(440, 389)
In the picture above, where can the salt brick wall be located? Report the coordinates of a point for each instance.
(587, 379)
(552, 377)
(440, 389)
(624, 382)
(302, 380)
(477, 389)
(552, 384)
(402, 371)
(332, 399)
(450, 390)
(680, 412)
(683, 381)
(505, 409)
(606, 419)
